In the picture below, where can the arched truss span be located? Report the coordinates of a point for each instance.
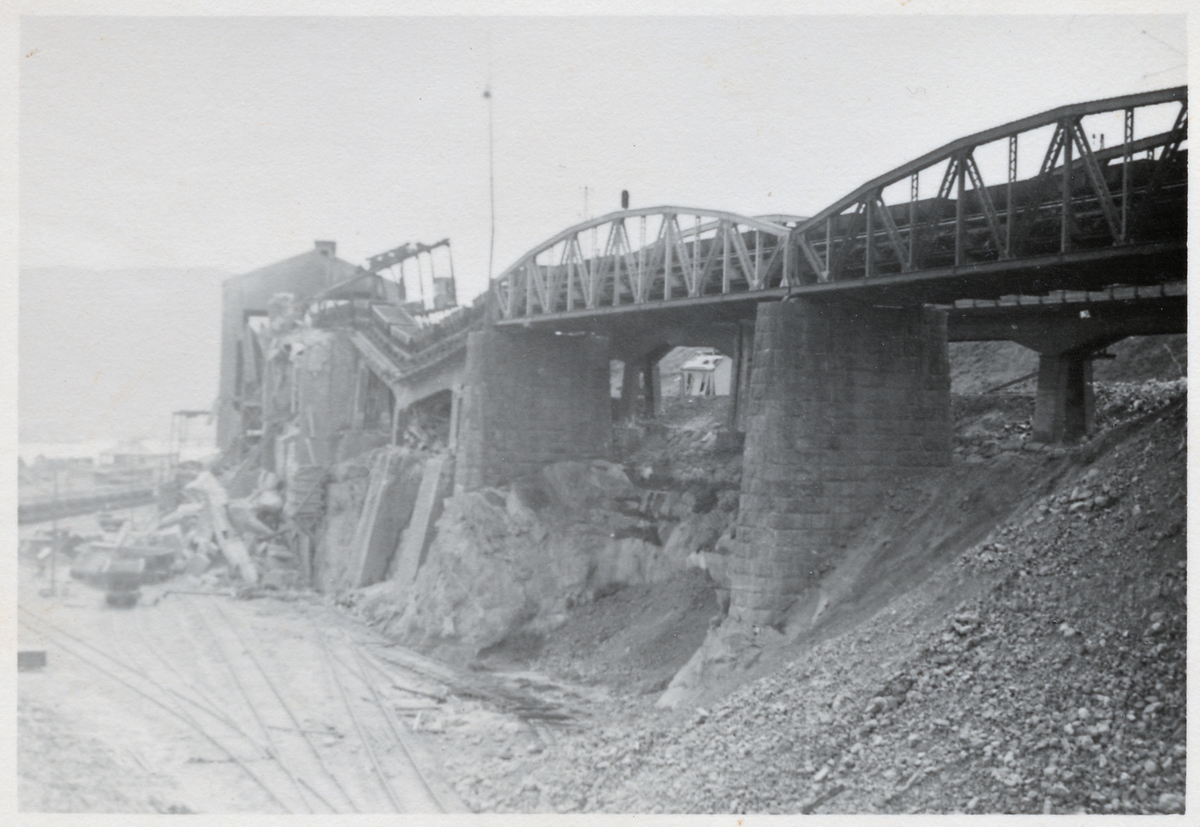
(1043, 185)
(635, 256)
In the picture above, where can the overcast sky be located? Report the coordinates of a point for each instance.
(234, 142)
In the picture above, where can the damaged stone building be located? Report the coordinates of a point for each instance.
(336, 395)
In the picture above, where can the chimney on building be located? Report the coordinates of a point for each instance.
(326, 248)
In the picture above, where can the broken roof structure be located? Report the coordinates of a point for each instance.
(325, 356)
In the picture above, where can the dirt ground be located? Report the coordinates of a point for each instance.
(1012, 640)
(198, 702)
(633, 640)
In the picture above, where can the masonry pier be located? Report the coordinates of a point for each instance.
(841, 398)
(531, 398)
(1065, 409)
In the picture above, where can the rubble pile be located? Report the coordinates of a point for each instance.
(687, 448)
(990, 424)
(1117, 402)
(211, 539)
(1044, 671)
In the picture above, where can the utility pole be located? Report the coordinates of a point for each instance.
(487, 95)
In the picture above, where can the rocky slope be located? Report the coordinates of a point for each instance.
(1036, 663)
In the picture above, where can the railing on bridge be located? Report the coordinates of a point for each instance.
(1059, 191)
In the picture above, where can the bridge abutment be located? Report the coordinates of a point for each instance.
(530, 398)
(841, 399)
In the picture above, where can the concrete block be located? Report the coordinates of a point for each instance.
(436, 484)
(389, 501)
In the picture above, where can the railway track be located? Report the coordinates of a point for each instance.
(324, 740)
(44, 509)
(149, 690)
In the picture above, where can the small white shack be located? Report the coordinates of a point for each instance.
(706, 374)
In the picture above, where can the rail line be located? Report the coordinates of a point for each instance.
(332, 663)
(204, 705)
(144, 639)
(274, 750)
(332, 671)
(201, 704)
(51, 630)
(291, 715)
(394, 727)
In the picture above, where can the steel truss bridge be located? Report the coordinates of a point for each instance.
(1057, 210)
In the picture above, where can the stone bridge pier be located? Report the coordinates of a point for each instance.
(530, 398)
(841, 399)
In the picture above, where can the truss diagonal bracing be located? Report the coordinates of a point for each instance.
(638, 256)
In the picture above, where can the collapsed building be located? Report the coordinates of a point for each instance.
(336, 394)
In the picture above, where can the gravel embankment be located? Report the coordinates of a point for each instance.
(1044, 671)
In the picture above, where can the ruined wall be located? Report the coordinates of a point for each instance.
(370, 501)
(250, 293)
(344, 498)
(530, 399)
(325, 377)
(842, 398)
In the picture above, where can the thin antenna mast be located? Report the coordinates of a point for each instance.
(487, 95)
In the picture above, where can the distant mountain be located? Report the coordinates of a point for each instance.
(110, 354)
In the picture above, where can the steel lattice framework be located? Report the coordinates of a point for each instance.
(1082, 203)
(636, 256)
(1081, 198)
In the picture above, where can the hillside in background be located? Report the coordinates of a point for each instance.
(109, 354)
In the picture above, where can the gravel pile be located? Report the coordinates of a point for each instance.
(1044, 671)
(1120, 401)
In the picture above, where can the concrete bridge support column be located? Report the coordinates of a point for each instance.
(629, 391)
(842, 399)
(743, 359)
(651, 386)
(1066, 405)
(530, 398)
